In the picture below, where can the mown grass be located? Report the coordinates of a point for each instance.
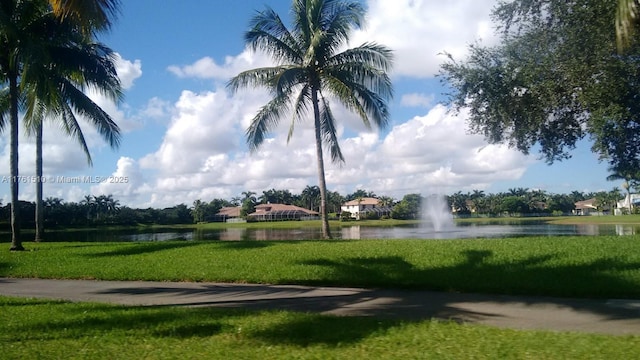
(41, 329)
(576, 266)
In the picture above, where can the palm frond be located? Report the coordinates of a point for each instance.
(91, 16)
(300, 108)
(366, 76)
(69, 123)
(260, 77)
(287, 79)
(93, 113)
(269, 34)
(371, 54)
(337, 19)
(329, 132)
(265, 120)
(5, 105)
(366, 103)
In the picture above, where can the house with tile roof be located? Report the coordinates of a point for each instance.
(281, 212)
(588, 207)
(359, 208)
(228, 214)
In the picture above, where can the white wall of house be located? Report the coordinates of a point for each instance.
(355, 207)
(630, 199)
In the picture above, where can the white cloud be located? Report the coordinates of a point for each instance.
(419, 30)
(207, 68)
(417, 100)
(430, 153)
(202, 125)
(126, 183)
(127, 71)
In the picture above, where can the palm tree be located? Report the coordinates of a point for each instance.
(626, 20)
(62, 62)
(22, 24)
(630, 179)
(56, 91)
(310, 196)
(310, 70)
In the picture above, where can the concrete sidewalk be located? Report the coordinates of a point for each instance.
(616, 317)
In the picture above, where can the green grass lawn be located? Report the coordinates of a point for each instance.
(41, 329)
(581, 266)
(576, 266)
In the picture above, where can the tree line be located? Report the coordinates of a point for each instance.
(103, 210)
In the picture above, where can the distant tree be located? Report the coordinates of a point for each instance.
(387, 201)
(360, 193)
(335, 201)
(248, 207)
(630, 177)
(458, 202)
(408, 207)
(198, 210)
(236, 200)
(311, 197)
(514, 205)
(561, 203)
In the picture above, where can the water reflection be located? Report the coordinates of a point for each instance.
(354, 232)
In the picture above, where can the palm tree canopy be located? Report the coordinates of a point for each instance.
(310, 66)
(92, 15)
(56, 65)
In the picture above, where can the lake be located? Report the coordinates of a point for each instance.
(354, 232)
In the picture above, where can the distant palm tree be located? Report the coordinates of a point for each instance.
(630, 179)
(310, 70)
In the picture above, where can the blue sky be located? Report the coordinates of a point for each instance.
(183, 132)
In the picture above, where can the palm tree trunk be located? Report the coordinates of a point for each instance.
(39, 204)
(326, 232)
(16, 243)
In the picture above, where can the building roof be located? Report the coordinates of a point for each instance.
(263, 209)
(586, 204)
(362, 201)
(233, 211)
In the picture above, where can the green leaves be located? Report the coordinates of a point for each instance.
(554, 79)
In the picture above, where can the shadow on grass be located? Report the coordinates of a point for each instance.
(71, 321)
(310, 329)
(243, 244)
(537, 275)
(139, 248)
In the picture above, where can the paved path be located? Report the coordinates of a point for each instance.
(617, 317)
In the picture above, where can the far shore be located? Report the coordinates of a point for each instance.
(565, 220)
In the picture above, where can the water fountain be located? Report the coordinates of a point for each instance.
(436, 214)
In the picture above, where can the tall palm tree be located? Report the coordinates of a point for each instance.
(54, 88)
(53, 62)
(310, 70)
(91, 16)
(19, 21)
